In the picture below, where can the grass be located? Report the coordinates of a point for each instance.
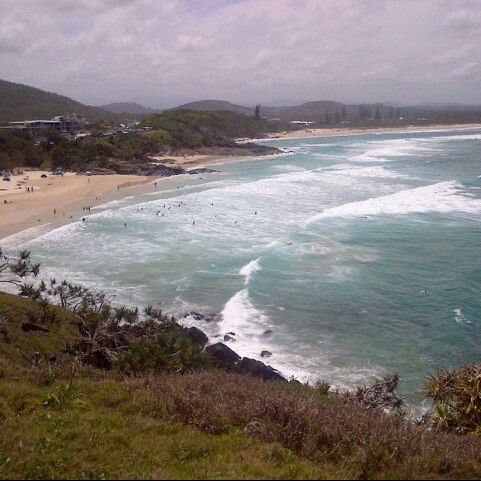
(110, 436)
(22, 346)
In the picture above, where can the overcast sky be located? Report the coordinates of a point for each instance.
(163, 52)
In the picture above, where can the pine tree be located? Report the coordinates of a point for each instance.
(327, 117)
(258, 112)
(343, 113)
(338, 118)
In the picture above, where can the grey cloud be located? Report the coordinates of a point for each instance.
(245, 50)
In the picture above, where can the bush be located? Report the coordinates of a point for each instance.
(457, 400)
(169, 351)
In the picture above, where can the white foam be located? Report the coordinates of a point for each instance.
(249, 269)
(371, 171)
(24, 236)
(444, 197)
(460, 317)
(384, 150)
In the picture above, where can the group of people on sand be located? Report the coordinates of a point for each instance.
(29, 189)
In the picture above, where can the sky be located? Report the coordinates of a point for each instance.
(165, 52)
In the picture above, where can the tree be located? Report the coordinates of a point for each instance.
(338, 118)
(391, 113)
(328, 119)
(343, 114)
(258, 112)
(377, 115)
(16, 270)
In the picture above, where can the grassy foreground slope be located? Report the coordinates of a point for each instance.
(60, 419)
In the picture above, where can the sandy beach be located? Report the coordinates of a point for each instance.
(67, 195)
(342, 131)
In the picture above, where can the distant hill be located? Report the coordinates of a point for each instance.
(129, 108)
(307, 111)
(215, 106)
(19, 102)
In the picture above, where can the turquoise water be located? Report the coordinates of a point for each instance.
(360, 253)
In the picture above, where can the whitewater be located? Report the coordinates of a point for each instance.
(345, 257)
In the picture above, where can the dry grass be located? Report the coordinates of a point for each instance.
(365, 444)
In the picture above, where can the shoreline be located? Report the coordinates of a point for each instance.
(21, 210)
(346, 131)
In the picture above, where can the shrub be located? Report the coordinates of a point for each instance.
(168, 351)
(64, 397)
(457, 400)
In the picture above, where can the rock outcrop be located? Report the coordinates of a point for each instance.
(225, 358)
(196, 335)
(222, 356)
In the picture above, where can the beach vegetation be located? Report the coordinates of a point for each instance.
(169, 351)
(456, 396)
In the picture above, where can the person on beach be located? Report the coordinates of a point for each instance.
(54, 211)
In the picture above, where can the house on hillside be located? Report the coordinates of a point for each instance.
(67, 124)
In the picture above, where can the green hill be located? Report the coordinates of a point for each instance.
(189, 128)
(20, 102)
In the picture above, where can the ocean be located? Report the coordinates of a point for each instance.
(362, 254)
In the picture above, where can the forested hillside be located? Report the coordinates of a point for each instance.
(19, 102)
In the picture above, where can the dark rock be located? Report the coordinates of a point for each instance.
(222, 356)
(231, 333)
(195, 315)
(164, 171)
(267, 333)
(259, 369)
(227, 338)
(196, 335)
(266, 354)
(29, 326)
